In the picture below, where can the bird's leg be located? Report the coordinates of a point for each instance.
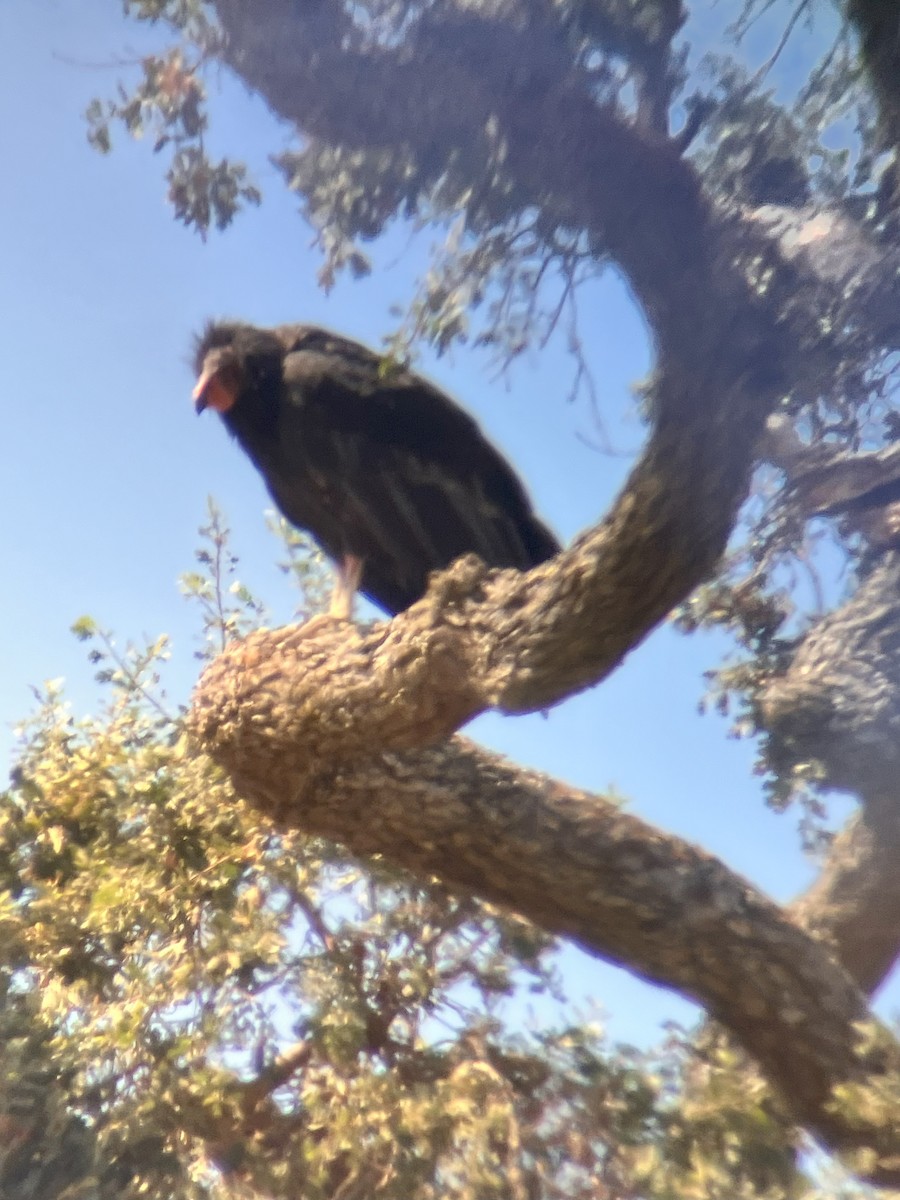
(345, 589)
(349, 574)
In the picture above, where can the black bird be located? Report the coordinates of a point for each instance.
(391, 478)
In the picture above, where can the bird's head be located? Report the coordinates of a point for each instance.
(235, 364)
(218, 363)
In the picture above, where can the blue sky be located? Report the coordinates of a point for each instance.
(105, 469)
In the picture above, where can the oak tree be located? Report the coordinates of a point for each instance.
(760, 239)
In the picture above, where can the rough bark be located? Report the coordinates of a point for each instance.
(839, 705)
(323, 728)
(855, 902)
(570, 861)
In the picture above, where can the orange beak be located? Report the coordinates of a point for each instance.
(201, 400)
(216, 388)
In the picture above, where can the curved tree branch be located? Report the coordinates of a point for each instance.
(523, 104)
(854, 903)
(571, 862)
(839, 702)
(323, 727)
(838, 705)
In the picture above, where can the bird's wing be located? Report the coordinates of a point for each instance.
(393, 433)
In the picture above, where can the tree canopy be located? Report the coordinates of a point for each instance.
(205, 995)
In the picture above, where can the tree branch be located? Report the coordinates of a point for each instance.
(839, 705)
(522, 110)
(839, 702)
(324, 730)
(569, 861)
(854, 904)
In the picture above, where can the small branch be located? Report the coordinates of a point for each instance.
(134, 675)
(269, 1080)
(770, 62)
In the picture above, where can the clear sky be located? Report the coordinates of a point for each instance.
(105, 470)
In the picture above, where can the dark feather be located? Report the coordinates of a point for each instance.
(373, 460)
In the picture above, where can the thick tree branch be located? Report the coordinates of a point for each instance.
(839, 705)
(525, 118)
(569, 861)
(322, 728)
(523, 105)
(841, 267)
(854, 904)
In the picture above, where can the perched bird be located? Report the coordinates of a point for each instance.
(390, 477)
